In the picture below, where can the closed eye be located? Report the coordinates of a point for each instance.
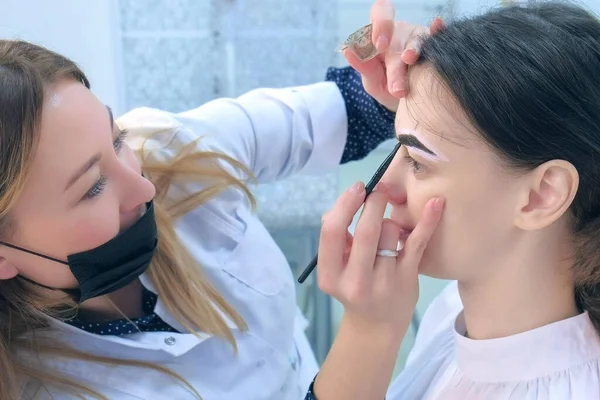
(96, 189)
(100, 183)
(416, 167)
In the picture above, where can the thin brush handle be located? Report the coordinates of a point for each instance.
(368, 189)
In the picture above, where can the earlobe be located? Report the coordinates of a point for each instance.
(551, 188)
(7, 270)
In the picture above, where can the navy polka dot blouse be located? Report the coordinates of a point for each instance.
(369, 124)
(149, 323)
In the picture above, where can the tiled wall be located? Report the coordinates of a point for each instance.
(179, 54)
(169, 53)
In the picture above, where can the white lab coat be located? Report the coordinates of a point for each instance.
(276, 133)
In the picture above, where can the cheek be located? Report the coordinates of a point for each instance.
(471, 233)
(61, 236)
(416, 195)
(94, 229)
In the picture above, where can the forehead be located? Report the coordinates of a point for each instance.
(432, 114)
(74, 123)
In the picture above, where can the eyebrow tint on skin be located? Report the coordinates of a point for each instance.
(415, 142)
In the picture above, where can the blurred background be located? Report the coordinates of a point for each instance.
(178, 54)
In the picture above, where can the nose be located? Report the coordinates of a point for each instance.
(394, 180)
(136, 191)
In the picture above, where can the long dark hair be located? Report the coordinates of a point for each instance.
(528, 78)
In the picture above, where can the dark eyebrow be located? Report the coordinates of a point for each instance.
(412, 141)
(93, 160)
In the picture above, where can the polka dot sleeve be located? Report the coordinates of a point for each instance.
(310, 395)
(369, 123)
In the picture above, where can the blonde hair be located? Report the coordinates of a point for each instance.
(27, 71)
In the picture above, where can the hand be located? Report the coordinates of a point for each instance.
(384, 77)
(376, 291)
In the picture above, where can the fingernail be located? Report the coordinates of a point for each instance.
(358, 187)
(382, 41)
(397, 86)
(412, 54)
(438, 204)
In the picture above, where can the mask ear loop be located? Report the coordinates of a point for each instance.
(368, 189)
(70, 292)
(75, 293)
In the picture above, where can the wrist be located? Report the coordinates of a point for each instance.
(385, 333)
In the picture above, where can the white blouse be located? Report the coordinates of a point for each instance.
(559, 361)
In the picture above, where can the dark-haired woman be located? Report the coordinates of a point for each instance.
(497, 187)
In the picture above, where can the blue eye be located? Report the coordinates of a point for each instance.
(118, 143)
(96, 189)
(416, 166)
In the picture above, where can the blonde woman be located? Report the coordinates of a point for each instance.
(131, 264)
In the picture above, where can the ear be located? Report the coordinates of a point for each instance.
(7, 270)
(548, 193)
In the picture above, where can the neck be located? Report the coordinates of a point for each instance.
(520, 297)
(125, 302)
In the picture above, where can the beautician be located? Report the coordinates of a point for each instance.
(131, 264)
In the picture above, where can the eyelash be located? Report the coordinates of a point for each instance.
(96, 189)
(118, 143)
(417, 167)
(99, 185)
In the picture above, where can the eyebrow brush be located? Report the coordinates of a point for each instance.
(368, 189)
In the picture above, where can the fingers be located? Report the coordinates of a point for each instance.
(413, 48)
(385, 267)
(394, 64)
(382, 18)
(419, 238)
(374, 80)
(436, 26)
(400, 58)
(371, 71)
(367, 233)
(334, 230)
(388, 240)
(349, 241)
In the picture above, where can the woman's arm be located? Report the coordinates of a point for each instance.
(274, 132)
(369, 123)
(310, 129)
(378, 292)
(359, 364)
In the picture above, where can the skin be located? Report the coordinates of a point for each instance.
(397, 43)
(57, 220)
(504, 233)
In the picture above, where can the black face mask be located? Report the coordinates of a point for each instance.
(112, 265)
